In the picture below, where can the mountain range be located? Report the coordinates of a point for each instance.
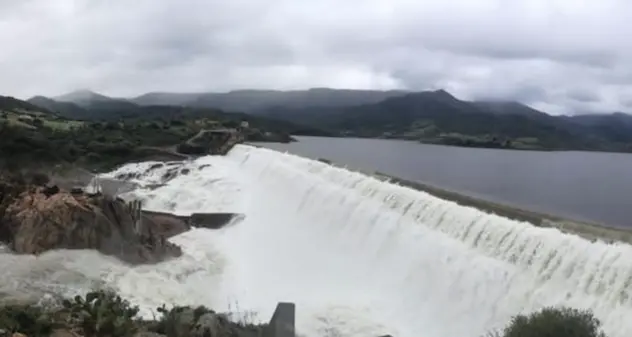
(427, 116)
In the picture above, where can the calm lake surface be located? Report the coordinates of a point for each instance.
(588, 186)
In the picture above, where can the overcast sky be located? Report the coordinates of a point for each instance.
(563, 56)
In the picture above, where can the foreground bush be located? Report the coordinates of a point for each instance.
(555, 322)
(29, 320)
(105, 314)
(102, 314)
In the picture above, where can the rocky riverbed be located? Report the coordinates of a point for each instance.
(37, 217)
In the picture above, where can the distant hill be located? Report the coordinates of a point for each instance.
(65, 109)
(256, 101)
(90, 100)
(438, 117)
(97, 108)
(616, 127)
(81, 97)
(34, 135)
(23, 114)
(166, 98)
(509, 107)
(12, 104)
(428, 116)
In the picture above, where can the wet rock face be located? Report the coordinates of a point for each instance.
(38, 220)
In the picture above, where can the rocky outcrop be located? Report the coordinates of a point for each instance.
(44, 218)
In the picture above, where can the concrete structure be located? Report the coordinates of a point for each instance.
(282, 323)
(109, 186)
(587, 230)
(212, 220)
(201, 220)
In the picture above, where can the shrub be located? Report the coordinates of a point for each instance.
(555, 322)
(38, 122)
(178, 321)
(29, 320)
(102, 313)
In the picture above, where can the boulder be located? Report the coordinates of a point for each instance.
(37, 221)
(164, 225)
(202, 322)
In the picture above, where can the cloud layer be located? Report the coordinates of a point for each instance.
(563, 56)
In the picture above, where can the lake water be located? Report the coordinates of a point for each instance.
(586, 186)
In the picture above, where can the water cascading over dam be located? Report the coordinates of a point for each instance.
(359, 257)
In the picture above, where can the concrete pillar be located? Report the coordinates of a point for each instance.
(282, 323)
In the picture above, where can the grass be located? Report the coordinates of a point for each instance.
(62, 124)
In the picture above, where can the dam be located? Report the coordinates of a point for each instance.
(358, 255)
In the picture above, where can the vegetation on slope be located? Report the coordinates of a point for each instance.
(430, 117)
(109, 110)
(101, 139)
(553, 322)
(95, 145)
(104, 314)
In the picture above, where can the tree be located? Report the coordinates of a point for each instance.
(555, 322)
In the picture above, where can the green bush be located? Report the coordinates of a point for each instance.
(555, 322)
(178, 321)
(29, 320)
(102, 313)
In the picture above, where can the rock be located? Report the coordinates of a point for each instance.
(155, 166)
(185, 171)
(17, 334)
(52, 190)
(36, 222)
(170, 174)
(165, 225)
(127, 176)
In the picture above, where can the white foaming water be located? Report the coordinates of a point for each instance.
(360, 257)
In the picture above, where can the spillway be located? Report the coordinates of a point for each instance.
(359, 257)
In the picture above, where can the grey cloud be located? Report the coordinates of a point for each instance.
(556, 56)
(584, 95)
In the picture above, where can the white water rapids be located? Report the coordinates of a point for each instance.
(359, 257)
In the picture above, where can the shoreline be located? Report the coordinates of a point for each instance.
(588, 230)
(542, 149)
